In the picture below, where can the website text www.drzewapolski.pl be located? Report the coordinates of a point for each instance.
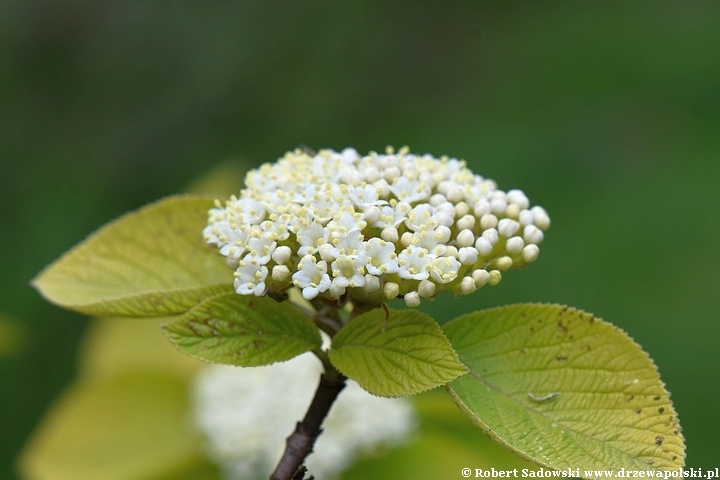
(578, 473)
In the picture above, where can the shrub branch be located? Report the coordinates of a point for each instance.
(300, 444)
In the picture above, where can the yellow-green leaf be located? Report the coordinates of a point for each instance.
(121, 345)
(564, 389)
(443, 444)
(400, 353)
(12, 337)
(150, 262)
(132, 427)
(243, 330)
(200, 470)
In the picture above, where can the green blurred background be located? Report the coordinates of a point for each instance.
(605, 113)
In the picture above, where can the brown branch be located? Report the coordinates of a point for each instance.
(300, 443)
(300, 474)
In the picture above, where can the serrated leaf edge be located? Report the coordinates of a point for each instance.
(165, 332)
(425, 389)
(495, 437)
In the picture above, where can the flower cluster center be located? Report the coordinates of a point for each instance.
(372, 228)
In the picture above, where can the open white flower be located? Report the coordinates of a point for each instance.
(311, 277)
(415, 263)
(445, 269)
(250, 276)
(410, 191)
(261, 248)
(381, 257)
(312, 238)
(349, 271)
(393, 219)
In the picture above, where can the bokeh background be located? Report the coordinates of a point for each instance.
(605, 113)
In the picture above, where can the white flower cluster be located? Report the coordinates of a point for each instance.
(373, 227)
(246, 414)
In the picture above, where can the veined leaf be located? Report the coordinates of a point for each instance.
(392, 356)
(243, 330)
(443, 444)
(150, 262)
(564, 389)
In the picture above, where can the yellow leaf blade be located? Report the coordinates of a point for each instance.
(149, 262)
(564, 389)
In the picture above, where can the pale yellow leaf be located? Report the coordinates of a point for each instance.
(150, 262)
(132, 427)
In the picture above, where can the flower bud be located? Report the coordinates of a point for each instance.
(532, 234)
(406, 239)
(465, 238)
(512, 211)
(488, 221)
(467, 221)
(455, 194)
(444, 187)
(427, 178)
(461, 209)
(498, 206)
(389, 234)
(483, 247)
(518, 198)
(280, 273)
(351, 177)
(372, 215)
(448, 208)
(482, 207)
(494, 277)
(530, 253)
(467, 255)
(498, 195)
(467, 285)
(412, 299)
(391, 290)
(426, 289)
(371, 174)
(491, 235)
(372, 283)
(391, 173)
(437, 199)
(481, 277)
(541, 218)
(336, 290)
(327, 252)
(282, 255)
(526, 217)
(507, 227)
(503, 263)
(514, 245)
